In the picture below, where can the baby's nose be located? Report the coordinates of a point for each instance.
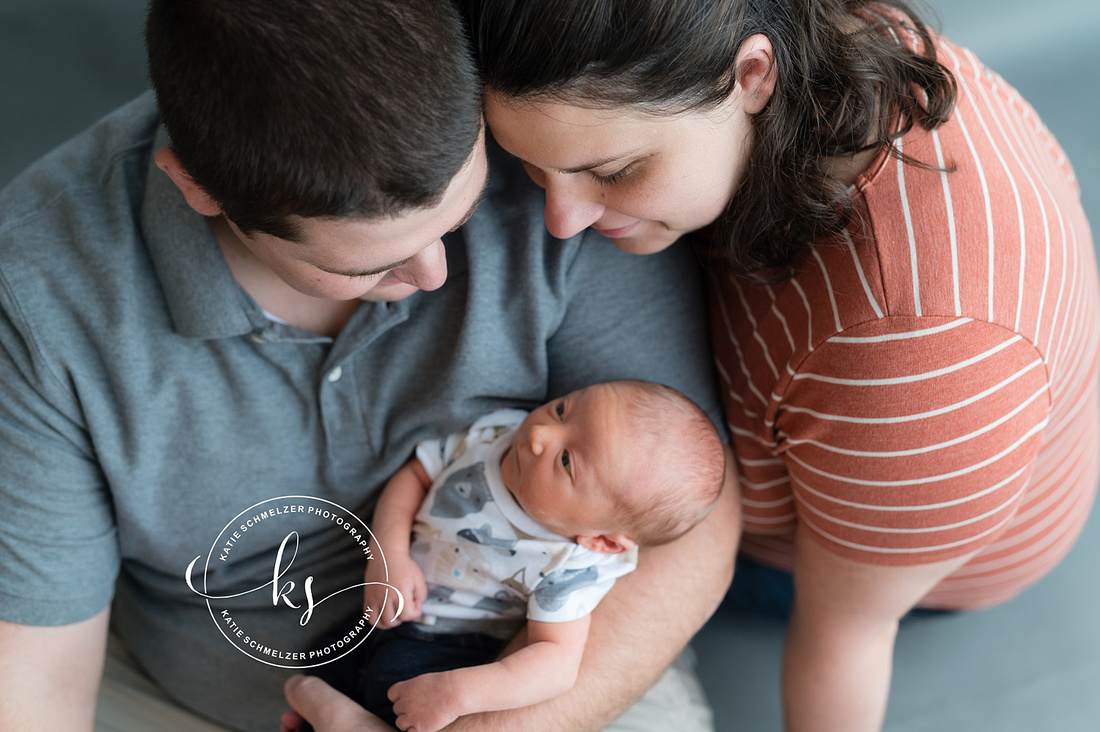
(538, 439)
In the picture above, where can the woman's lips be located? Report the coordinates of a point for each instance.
(620, 232)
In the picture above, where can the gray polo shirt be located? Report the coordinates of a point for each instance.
(145, 399)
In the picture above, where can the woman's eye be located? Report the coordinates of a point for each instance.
(559, 409)
(615, 177)
(565, 463)
(610, 177)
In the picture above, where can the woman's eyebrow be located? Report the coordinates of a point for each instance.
(597, 163)
(473, 206)
(586, 166)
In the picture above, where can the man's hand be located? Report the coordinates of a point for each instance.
(326, 709)
(426, 703)
(407, 577)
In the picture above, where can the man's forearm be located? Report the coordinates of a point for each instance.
(639, 628)
(49, 676)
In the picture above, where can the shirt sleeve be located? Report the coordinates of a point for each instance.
(59, 553)
(911, 450)
(635, 317)
(574, 589)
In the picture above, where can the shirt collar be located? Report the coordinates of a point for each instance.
(203, 298)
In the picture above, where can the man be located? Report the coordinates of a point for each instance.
(249, 302)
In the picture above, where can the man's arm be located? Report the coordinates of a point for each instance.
(840, 642)
(543, 668)
(637, 630)
(640, 627)
(49, 676)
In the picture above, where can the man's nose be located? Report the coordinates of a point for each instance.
(570, 205)
(427, 270)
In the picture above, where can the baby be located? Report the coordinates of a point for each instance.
(525, 517)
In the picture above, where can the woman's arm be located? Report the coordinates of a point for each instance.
(840, 642)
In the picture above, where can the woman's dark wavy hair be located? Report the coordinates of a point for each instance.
(839, 84)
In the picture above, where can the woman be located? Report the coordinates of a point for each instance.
(904, 291)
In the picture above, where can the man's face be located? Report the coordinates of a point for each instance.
(381, 260)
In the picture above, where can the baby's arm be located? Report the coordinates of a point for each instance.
(544, 668)
(392, 527)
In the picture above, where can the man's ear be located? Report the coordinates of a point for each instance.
(169, 162)
(755, 69)
(606, 543)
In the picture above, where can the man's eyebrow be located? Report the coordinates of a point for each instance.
(363, 272)
(382, 270)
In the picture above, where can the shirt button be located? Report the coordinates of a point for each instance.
(257, 338)
(335, 374)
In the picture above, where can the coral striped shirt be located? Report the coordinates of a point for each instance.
(926, 388)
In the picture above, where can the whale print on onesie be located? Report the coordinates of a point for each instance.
(463, 492)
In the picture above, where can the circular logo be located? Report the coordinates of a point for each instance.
(264, 605)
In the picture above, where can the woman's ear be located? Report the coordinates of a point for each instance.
(197, 198)
(755, 69)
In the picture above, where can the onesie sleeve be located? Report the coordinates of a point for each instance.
(912, 450)
(574, 589)
(59, 554)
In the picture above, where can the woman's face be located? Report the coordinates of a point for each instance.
(639, 179)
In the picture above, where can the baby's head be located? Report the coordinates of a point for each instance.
(616, 464)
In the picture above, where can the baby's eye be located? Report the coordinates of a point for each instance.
(559, 409)
(566, 462)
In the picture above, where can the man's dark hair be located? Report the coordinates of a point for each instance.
(335, 108)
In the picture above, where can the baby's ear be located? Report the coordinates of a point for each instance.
(606, 543)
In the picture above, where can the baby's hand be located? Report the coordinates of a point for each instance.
(426, 703)
(407, 578)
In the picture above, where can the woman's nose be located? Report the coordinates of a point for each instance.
(570, 207)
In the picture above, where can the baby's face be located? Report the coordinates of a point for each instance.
(566, 458)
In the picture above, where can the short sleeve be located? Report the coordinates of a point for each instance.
(913, 450)
(574, 589)
(59, 553)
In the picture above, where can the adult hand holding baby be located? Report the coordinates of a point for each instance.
(327, 709)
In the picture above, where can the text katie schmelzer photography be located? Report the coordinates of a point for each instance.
(268, 621)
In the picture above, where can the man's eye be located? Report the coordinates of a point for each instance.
(559, 409)
(565, 462)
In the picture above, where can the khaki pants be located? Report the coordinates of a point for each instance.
(129, 701)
